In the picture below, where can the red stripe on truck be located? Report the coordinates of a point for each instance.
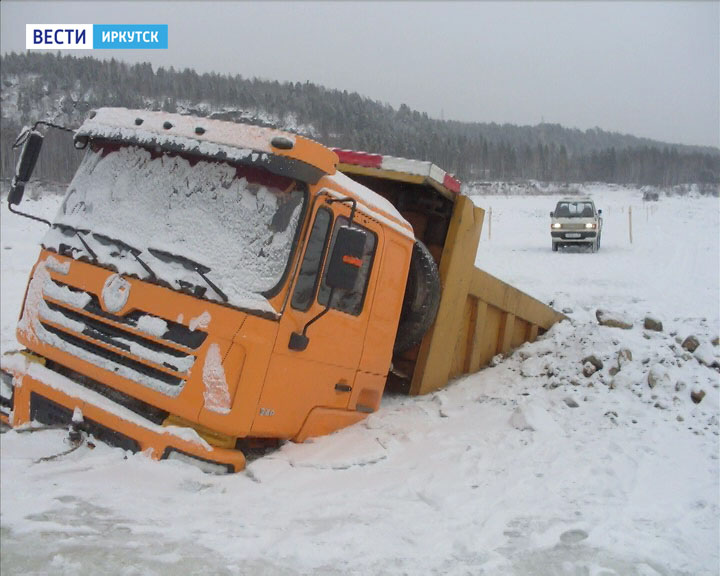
(452, 184)
(358, 158)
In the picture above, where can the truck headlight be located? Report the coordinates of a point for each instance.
(556, 225)
(590, 225)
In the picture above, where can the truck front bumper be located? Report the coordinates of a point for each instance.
(39, 394)
(567, 236)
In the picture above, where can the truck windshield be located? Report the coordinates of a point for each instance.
(238, 224)
(574, 210)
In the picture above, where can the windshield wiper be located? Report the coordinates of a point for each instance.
(107, 240)
(67, 228)
(190, 265)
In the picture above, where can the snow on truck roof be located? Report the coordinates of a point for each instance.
(401, 169)
(298, 157)
(373, 204)
(280, 152)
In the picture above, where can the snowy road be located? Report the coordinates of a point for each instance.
(529, 467)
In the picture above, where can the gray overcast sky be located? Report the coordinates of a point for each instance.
(646, 68)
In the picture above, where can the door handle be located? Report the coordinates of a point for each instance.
(343, 387)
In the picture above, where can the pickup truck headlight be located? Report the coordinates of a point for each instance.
(590, 225)
(556, 225)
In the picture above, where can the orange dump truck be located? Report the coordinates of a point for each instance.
(209, 286)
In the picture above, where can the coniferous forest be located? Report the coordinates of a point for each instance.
(64, 88)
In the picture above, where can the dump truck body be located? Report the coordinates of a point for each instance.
(206, 283)
(479, 316)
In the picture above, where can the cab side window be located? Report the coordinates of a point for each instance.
(309, 270)
(350, 301)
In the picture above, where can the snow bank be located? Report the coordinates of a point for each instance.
(615, 478)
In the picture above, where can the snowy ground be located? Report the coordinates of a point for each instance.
(529, 467)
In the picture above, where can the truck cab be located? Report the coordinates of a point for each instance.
(209, 287)
(576, 221)
(184, 297)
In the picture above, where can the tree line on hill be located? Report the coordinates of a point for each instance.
(64, 88)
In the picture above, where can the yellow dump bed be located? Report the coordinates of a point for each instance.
(479, 315)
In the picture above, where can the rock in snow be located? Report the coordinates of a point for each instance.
(658, 376)
(705, 354)
(624, 356)
(594, 360)
(653, 324)
(589, 369)
(612, 320)
(690, 343)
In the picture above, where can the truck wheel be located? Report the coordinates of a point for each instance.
(555, 246)
(422, 298)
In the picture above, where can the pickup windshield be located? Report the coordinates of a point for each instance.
(574, 210)
(239, 224)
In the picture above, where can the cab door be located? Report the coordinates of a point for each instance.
(335, 323)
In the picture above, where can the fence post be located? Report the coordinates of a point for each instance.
(630, 222)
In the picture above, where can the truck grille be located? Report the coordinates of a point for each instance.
(115, 343)
(574, 226)
(176, 333)
(113, 356)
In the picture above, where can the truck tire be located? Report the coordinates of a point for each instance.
(422, 298)
(555, 246)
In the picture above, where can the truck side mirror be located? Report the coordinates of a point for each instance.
(551, 213)
(28, 158)
(346, 258)
(600, 212)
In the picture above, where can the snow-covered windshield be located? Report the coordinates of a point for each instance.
(574, 210)
(219, 231)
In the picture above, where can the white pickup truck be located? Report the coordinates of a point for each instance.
(576, 221)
